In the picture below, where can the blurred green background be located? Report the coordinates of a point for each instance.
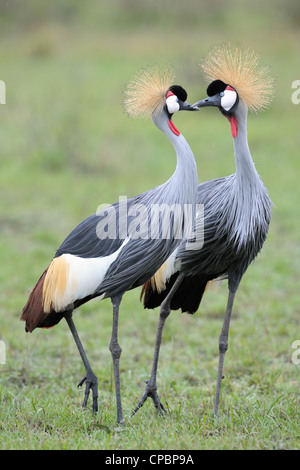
(66, 146)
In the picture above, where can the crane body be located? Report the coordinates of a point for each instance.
(237, 213)
(88, 265)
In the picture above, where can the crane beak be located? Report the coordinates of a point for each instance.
(188, 107)
(214, 100)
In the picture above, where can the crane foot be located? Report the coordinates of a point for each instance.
(150, 392)
(91, 383)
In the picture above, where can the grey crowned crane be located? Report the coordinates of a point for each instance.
(237, 208)
(109, 253)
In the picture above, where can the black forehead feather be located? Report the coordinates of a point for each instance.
(215, 87)
(179, 92)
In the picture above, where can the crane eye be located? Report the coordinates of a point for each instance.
(172, 104)
(228, 99)
(222, 93)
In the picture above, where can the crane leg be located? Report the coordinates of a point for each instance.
(223, 346)
(116, 351)
(151, 387)
(90, 378)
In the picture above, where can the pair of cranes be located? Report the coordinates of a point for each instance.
(173, 273)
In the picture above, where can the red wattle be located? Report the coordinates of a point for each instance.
(230, 88)
(173, 128)
(233, 125)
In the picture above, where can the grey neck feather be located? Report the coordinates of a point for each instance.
(185, 176)
(245, 168)
(181, 188)
(250, 204)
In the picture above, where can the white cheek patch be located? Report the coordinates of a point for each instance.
(228, 100)
(172, 104)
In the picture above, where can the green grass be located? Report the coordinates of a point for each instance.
(65, 147)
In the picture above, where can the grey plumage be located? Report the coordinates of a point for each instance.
(140, 257)
(90, 264)
(237, 213)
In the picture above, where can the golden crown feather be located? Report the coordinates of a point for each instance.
(241, 69)
(145, 93)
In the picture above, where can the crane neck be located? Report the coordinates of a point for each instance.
(184, 179)
(245, 168)
(180, 191)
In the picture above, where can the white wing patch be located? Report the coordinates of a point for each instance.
(84, 276)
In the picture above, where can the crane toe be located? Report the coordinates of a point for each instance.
(151, 392)
(91, 383)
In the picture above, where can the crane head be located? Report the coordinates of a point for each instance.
(150, 93)
(241, 69)
(176, 101)
(224, 97)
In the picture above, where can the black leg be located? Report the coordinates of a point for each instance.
(116, 351)
(151, 387)
(223, 346)
(90, 378)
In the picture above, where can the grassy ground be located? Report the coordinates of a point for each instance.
(66, 147)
